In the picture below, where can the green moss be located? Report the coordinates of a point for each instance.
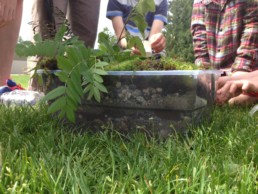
(151, 64)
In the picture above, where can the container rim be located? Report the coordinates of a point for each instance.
(148, 73)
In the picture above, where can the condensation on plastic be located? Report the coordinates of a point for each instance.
(21, 97)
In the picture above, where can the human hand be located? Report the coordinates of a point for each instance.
(247, 87)
(7, 11)
(242, 99)
(158, 42)
(221, 81)
(232, 91)
(237, 73)
(135, 51)
(122, 43)
(229, 90)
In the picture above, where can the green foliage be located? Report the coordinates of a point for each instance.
(47, 48)
(137, 42)
(178, 34)
(139, 64)
(81, 71)
(139, 12)
(76, 65)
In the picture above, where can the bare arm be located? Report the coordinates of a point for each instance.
(156, 38)
(118, 26)
(246, 58)
(199, 35)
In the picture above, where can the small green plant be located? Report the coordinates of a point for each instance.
(81, 71)
(137, 15)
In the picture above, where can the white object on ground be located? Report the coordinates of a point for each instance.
(21, 97)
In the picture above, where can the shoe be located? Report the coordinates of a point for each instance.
(13, 86)
(4, 89)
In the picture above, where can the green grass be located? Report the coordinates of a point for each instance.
(40, 155)
(22, 79)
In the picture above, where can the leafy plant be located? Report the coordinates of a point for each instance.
(81, 71)
(137, 15)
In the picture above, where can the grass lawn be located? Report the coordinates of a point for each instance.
(40, 155)
(22, 79)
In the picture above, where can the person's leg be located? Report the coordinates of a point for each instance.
(45, 22)
(60, 11)
(8, 39)
(84, 16)
(46, 16)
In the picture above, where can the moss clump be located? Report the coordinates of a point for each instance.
(151, 64)
(135, 64)
(47, 63)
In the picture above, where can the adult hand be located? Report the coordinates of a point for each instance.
(7, 11)
(229, 90)
(232, 91)
(238, 73)
(222, 81)
(242, 99)
(158, 42)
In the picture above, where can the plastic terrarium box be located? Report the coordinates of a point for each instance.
(159, 101)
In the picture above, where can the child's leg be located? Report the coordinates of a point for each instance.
(8, 39)
(84, 17)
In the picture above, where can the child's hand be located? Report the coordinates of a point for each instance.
(123, 43)
(7, 11)
(158, 42)
(136, 51)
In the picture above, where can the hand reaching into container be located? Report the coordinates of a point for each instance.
(7, 11)
(158, 42)
(10, 20)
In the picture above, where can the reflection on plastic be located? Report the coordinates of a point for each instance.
(21, 97)
(253, 110)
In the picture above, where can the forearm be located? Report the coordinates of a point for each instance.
(118, 26)
(156, 27)
(247, 53)
(199, 33)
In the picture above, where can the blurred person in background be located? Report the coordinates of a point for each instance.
(10, 22)
(225, 36)
(83, 16)
(49, 15)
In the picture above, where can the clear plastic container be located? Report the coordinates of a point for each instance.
(162, 100)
